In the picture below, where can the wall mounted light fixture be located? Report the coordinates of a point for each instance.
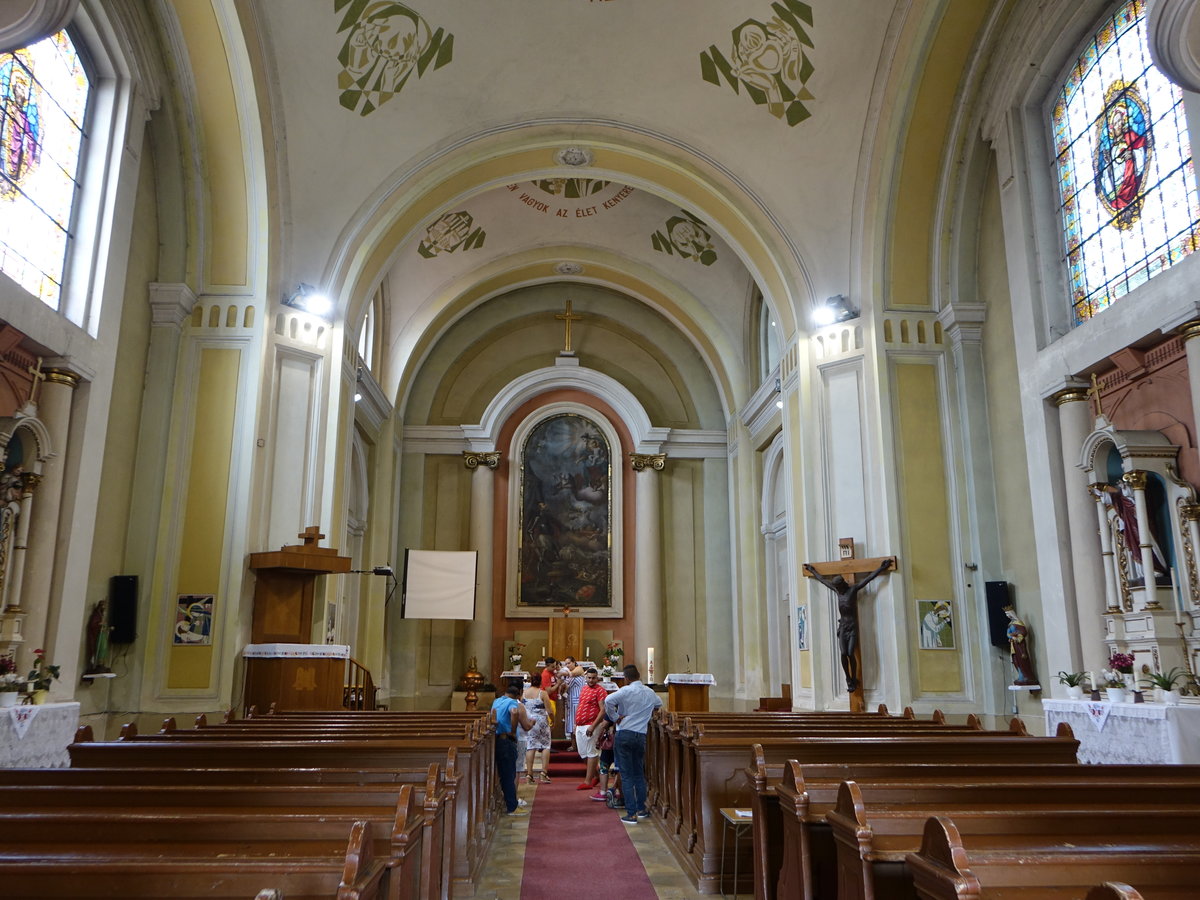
(835, 309)
(309, 299)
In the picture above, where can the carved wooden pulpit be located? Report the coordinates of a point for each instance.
(284, 591)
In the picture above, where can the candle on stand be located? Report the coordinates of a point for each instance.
(543, 652)
(1092, 681)
(587, 653)
(650, 664)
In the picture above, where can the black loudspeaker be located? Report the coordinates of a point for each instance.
(122, 608)
(997, 598)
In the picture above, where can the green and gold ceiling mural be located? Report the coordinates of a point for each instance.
(451, 232)
(688, 236)
(385, 44)
(769, 61)
(570, 198)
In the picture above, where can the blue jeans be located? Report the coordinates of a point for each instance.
(506, 769)
(630, 749)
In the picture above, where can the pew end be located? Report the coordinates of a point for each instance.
(1113, 890)
(942, 858)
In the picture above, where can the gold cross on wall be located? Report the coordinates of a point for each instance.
(38, 377)
(1094, 393)
(568, 317)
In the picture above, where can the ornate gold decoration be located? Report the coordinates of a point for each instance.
(1189, 330)
(1122, 565)
(568, 317)
(655, 461)
(1094, 393)
(1135, 479)
(474, 459)
(31, 480)
(1069, 395)
(62, 376)
(1190, 512)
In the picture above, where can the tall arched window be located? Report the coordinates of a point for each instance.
(1123, 161)
(43, 101)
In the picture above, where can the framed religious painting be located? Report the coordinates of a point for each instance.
(194, 619)
(564, 504)
(936, 620)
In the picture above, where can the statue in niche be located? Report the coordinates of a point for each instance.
(1018, 648)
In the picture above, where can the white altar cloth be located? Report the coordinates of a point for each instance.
(34, 737)
(689, 678)
(1139, 733)
(297, 651)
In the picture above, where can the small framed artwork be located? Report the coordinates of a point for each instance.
(936, 618)
(194, 619)
(801, 627)
(331, 623)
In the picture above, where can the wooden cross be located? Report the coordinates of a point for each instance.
(311, 535)
(38, 377)
(842, 577)
(568, 317)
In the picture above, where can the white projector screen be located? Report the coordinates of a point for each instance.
(439, 584)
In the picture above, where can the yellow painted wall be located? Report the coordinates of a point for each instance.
(926, 516)
(916, 190)
(225, 175)
(203, 534)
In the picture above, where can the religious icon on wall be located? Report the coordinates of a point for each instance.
(1124, 149)
(193, 619)
(801, 627)
(331, 623)
(937, 624)
(565, 556)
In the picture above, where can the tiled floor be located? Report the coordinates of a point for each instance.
(501, 878)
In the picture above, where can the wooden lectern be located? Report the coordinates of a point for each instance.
(284, 588)
(689, 693)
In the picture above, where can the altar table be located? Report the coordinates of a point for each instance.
(35, 737)
(1140, 733)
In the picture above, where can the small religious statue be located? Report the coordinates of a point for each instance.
(97, 640)
(1018, 648)
(847, 628)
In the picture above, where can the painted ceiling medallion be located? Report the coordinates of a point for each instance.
(569, 268)
(574, 157)
(386, 43)
(688, 236)
(451, 232)
(769, 61)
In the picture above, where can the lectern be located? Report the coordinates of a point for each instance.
(688, 692)
(284, 588)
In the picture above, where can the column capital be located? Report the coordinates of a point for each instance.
(1189, 330)
(170, 303)
(63, 377)
(1135, 479)
(473, 459)
(1070, 395)
(641, 461)
(30, 481)
(1190, 512)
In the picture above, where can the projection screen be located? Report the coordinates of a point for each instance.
(439, 584)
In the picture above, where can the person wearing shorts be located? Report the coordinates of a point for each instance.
(589, 709)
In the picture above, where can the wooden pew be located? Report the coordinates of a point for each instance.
(715, 774)
(802, 864)
(184, 853)
(947, 867)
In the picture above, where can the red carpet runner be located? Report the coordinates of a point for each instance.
(578, 848)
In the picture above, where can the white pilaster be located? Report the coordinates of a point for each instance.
(647, 576)
(479, 630)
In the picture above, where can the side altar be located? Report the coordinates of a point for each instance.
(1139, 733)
(282, 666)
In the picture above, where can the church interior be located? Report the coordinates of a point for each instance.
(644, 306)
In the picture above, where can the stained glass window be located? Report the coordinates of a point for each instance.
(1124, 166)
(43, 97)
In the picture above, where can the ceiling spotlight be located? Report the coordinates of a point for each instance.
(835, 309)
(778, 390)
(307, 298)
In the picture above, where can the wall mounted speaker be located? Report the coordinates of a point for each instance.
(122, 608)
(998, 597)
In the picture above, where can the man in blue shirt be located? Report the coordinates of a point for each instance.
(631, 708)
(509, 712)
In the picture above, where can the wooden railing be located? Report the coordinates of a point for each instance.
(359, 692)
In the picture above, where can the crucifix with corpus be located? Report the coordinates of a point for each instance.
(847, 577)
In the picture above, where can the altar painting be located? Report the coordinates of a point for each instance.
(565, 556)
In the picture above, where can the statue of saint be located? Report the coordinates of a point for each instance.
(847, 628)
(1018, 648)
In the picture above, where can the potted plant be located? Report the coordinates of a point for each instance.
(11, 682)
(1114, 685)
(515, 656)
(41, 676)
(1122, 663)
(1073, 682)
(1167, 683)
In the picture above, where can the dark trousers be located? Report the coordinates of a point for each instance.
(630, 749)
(506, 769)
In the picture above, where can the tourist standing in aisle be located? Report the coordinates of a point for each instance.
(631, 708)
(509, 713)
(589, 711)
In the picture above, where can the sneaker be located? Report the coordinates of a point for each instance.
(599, 795)
(629, 820)
(644, 814)
(521, 804)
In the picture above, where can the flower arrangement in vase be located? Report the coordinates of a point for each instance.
(515, 656)
(11, 682)
(41, 675)
(613, 653)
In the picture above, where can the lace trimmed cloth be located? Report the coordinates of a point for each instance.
(37, 736)
(1139, 733)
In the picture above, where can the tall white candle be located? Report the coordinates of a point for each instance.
(1092, 681)
(587, 652)
(543, 653)
(650, 664)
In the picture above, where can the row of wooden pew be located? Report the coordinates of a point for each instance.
(346, 805)
(856, 806)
